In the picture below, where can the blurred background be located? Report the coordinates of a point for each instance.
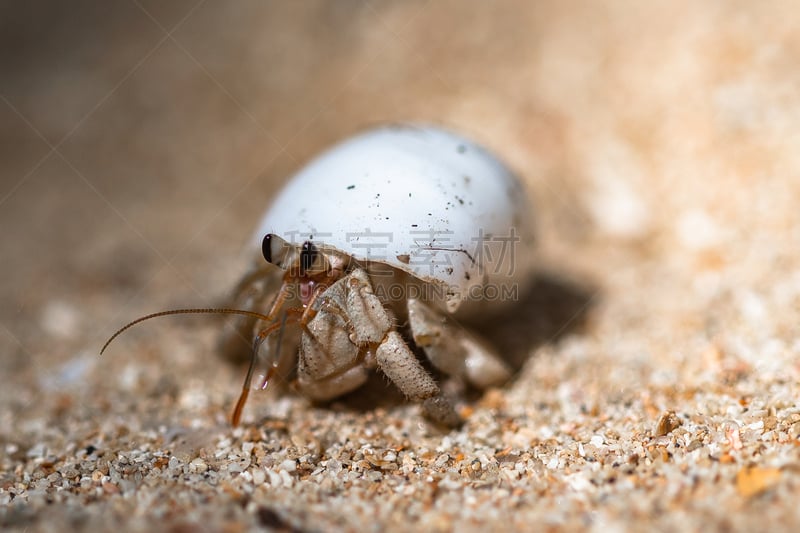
(141, 141)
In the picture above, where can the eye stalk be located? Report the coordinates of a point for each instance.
(266, 247)
(301, 260)
(277, 251)
(308, 257)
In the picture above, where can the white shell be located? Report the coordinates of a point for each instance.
(420, 199)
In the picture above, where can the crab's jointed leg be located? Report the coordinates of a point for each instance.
(452, 349)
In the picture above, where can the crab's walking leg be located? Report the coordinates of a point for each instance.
(296, 313)
(452, 349)
(263, 334)
(398, 362)
(372, 324)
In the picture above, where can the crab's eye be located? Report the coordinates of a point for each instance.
(275, 249)
(266, 247)
(308, 256)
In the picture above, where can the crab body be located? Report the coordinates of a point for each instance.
(387, 233)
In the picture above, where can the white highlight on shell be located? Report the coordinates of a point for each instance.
(419, 199)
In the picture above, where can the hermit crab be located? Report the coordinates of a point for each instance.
(370, 256)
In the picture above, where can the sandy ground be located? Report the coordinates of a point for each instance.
(657, 355)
